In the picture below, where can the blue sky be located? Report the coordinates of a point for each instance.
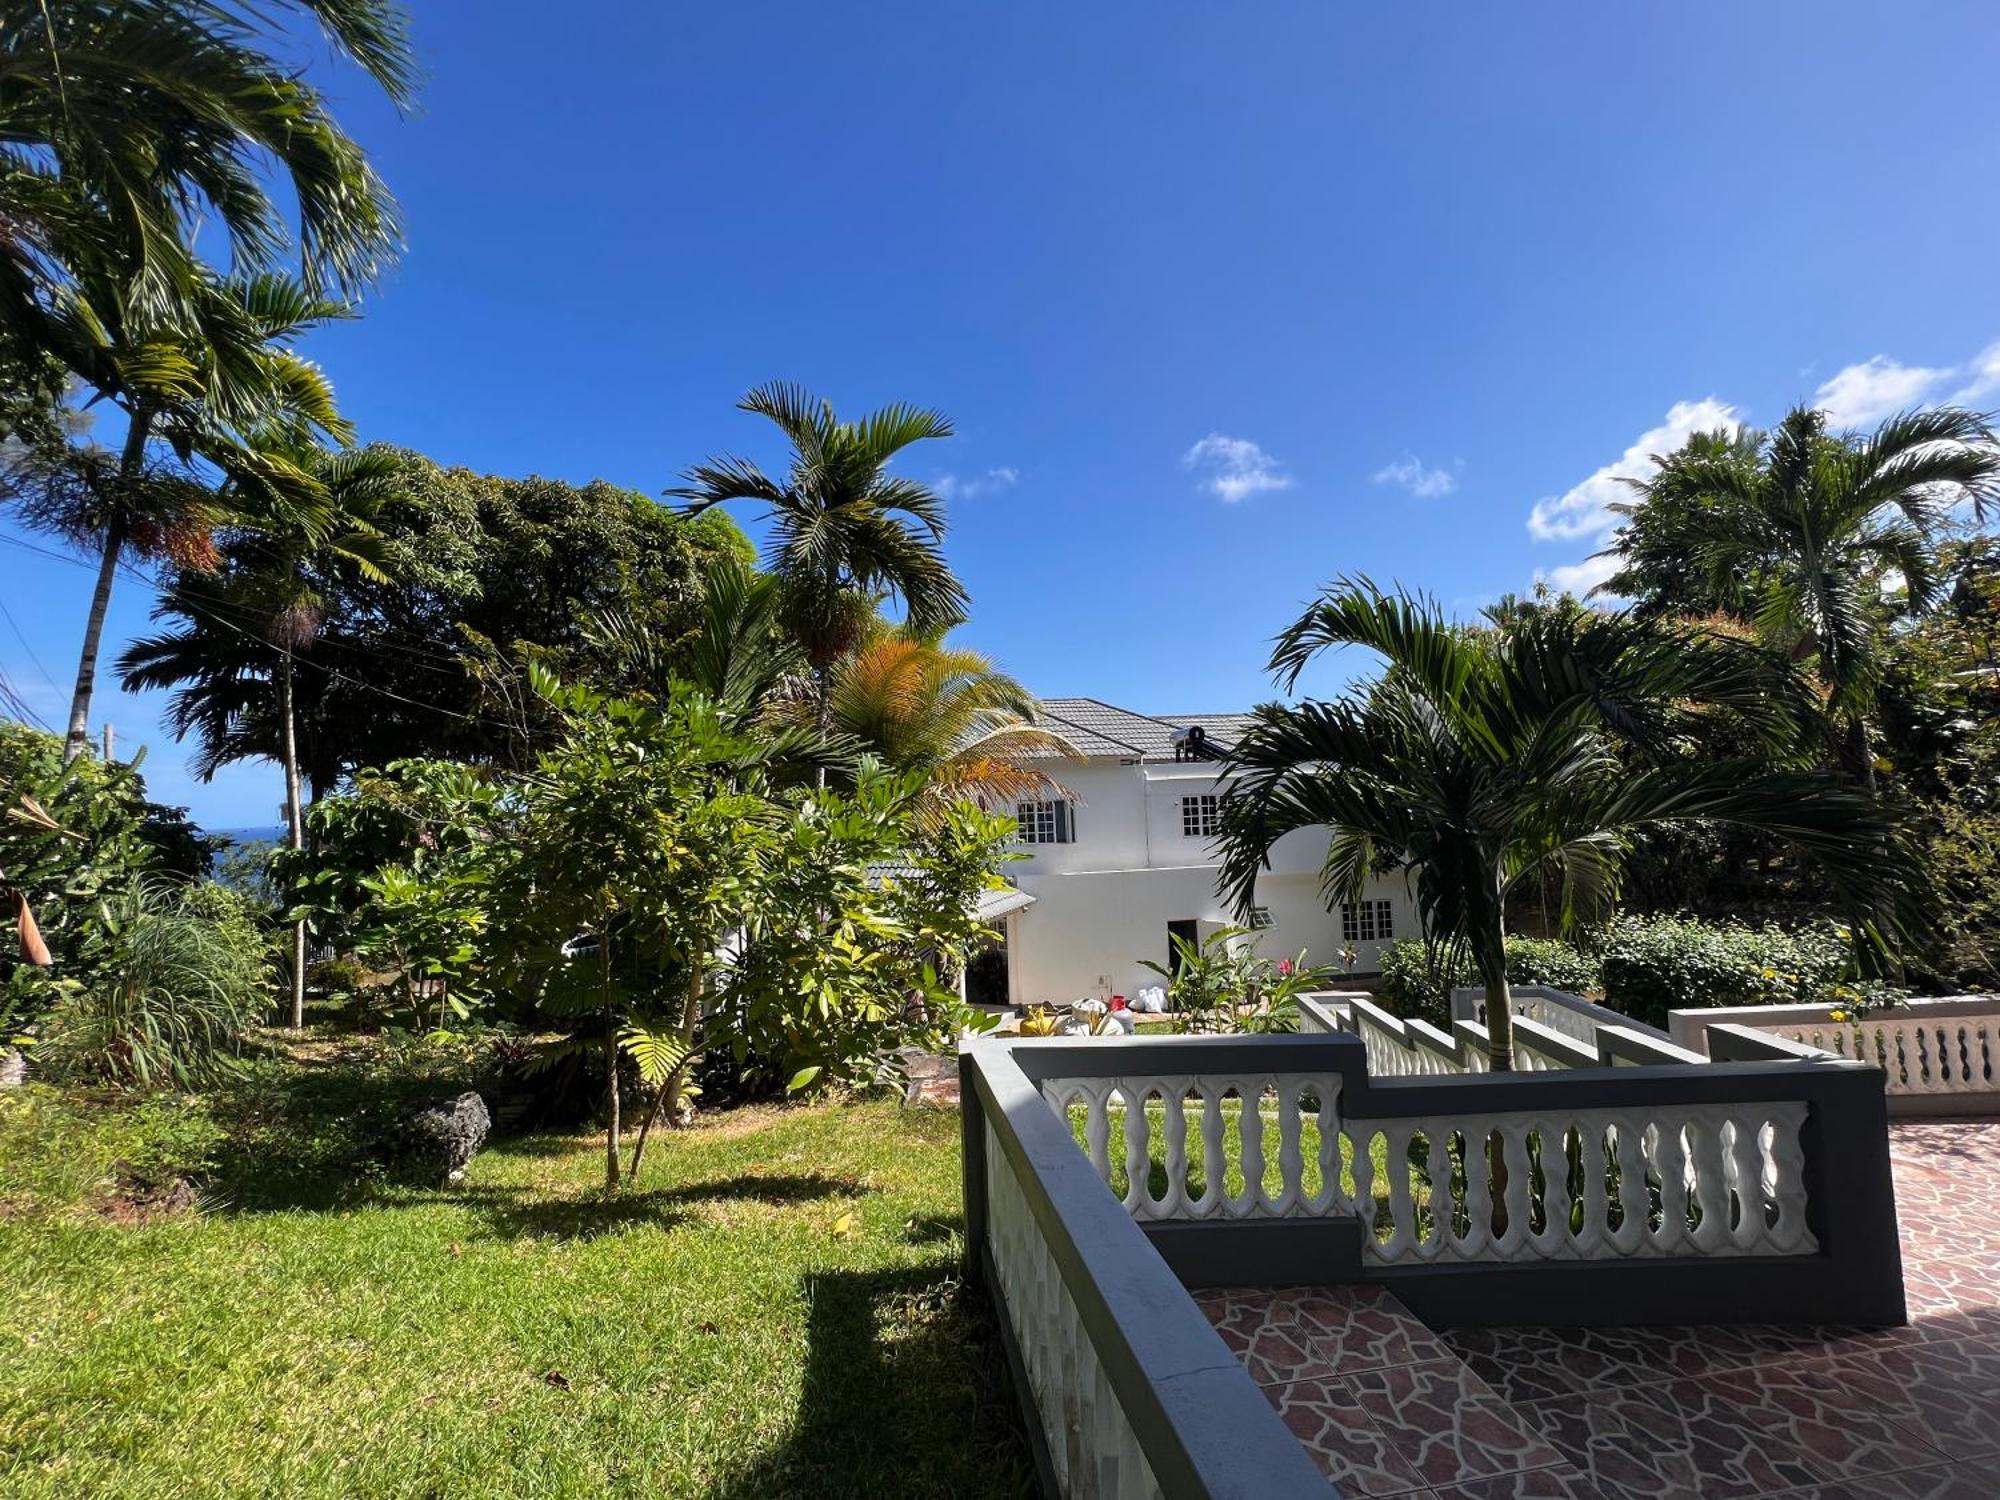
(1225, 298)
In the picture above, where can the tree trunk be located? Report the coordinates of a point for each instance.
(1500, 1058)
(689, 1027)
(1499, 1010)
(77, 740)
(295, 831)
(669, 1095)
(1860, 756)
(611, 1101)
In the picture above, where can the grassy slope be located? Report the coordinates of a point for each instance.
(775, 1312)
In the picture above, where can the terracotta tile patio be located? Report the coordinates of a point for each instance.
(1390, 1407)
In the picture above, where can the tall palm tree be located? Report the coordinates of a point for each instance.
(220, 389)
(297, 512)
(844, 529)
(125, 124)
(1480, 759)
(218, 665)
(1823, 538)
(1658, 543)
(918, 704)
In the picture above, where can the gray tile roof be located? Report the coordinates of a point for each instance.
(1097, 728)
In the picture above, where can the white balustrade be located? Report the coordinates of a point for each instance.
(1154, 1134)
(1594, 1184)
(1957, 1054)
(1092, 1446)
(1563, 1018)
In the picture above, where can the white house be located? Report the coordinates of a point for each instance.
(1125, 856)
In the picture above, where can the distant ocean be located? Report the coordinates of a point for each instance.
(269, 834)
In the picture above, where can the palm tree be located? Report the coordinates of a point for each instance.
(203, 392)
(125, 124)
(739, 655)
(219, 667)
(844, 530)
(918, 704)
(1823, 539)
(1481, 758)
(298, 511)
(1658, 544)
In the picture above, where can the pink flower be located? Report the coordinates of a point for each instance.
(1284, 968)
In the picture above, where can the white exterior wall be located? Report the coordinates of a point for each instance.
(1102, 903)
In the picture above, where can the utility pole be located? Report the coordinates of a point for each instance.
(107, 742)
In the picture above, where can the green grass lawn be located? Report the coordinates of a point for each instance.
(775, 1311)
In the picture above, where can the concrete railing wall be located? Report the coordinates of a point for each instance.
(1936, 1056)
(1127, 1390)
(1638, 1192)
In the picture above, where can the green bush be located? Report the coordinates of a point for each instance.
(172, 975)
(1413, 984)
(1652, 965)
(1552, 962)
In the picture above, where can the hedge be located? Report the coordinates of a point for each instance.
(1411, 987)
(1652, 965)
(1647, 966)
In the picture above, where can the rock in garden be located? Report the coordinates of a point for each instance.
(439, 1139)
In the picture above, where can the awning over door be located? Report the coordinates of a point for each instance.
(993, 905)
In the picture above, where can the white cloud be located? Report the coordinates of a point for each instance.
(953, 487)
(1580, 578)
(1584, 509)
(1985, 378)
(1235, 468)
(1862, 395)
(1409, 473)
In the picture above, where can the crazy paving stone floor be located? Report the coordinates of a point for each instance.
(1389, 1407)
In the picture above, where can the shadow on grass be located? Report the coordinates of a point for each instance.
(313, 1135)
(905, 1393)
(526, 1212)
(934, 1229)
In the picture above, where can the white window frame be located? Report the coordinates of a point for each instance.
(1201, 815)
(1371, 921)
(1260, 918)
(1045, 822)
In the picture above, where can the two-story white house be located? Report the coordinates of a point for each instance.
(1125, 855)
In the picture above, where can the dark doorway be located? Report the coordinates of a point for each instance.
(986, 977)
(1186, 932)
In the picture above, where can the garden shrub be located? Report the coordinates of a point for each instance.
(170, 976)
(1553, 962)
(1652, 965)
(1414, 983)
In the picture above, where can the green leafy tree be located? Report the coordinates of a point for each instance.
(867, 898)
(1478, 759)
(1822, 539)
(843, 529)
(399, 873)
(641, 829)
(482, 574)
